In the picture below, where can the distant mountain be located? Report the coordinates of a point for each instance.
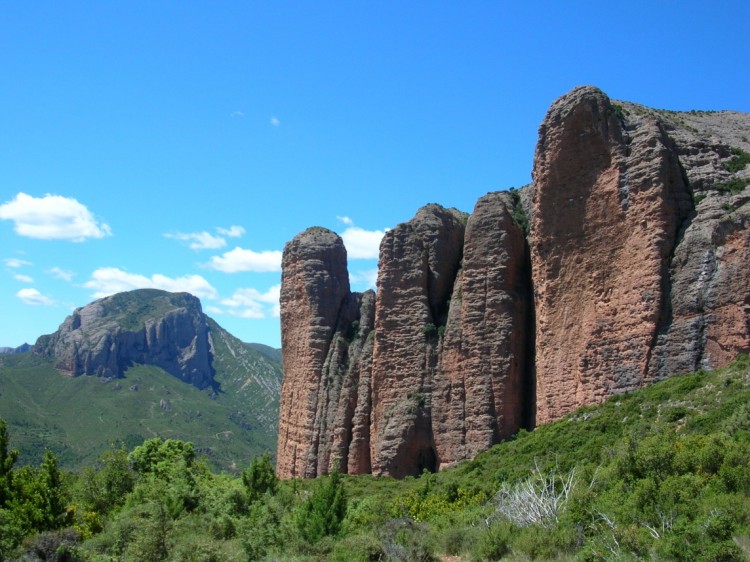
(23, 348)
(115, 371)
(273, 353)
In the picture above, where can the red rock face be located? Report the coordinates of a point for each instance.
(314, 287)
(476, 330)
(608, 204)
(418, 265)
(728, 328)
(480, 387)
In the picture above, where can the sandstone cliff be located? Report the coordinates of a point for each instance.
(383, 383)
(634, 269)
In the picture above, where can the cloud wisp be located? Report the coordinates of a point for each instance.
(365, 279)
(361, 243)
(23, 278)
(15, 263)
(240, 260)
(107, 281)
(205, 240)
(52, 217)
(59, 273)
(33, 297)
(251, 303)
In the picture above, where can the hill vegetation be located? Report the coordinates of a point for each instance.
(80, 417)
(662, 473)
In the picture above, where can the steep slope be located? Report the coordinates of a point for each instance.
(140, 390)
(146, 326)
(635, 268)
(609, 201)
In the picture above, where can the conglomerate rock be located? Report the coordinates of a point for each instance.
(609, 202)
(480, 387)
(418, 264)
(635, 268)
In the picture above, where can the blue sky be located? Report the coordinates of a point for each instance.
(180, 145)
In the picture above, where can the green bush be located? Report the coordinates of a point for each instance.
(738, 162)
(259, 478)
(493, 543)
(322, 514)
(362, 547)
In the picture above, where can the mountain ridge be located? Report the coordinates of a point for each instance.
(92, 382)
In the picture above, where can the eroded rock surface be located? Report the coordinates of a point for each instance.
(147, 326)
(480, 387)
(609, 202)
(635, 268)
(418, 264)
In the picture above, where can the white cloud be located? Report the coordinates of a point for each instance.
(233, 231)
(367, 278)
(213, 310)
(52, 217)
(240, 259)
(23, 278)
(60, 273)
(106, 281)
(237, 114)
(361, 243)
(251, 303)
(346, 220)
(15, 263)
(34, 297)
(275, 121)
(205, 240)
(199, 240)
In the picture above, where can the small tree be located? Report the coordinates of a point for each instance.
(51, 488)
(7, 460)
(260, 478)
(323, 512)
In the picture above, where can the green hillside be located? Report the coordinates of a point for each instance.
(659, 474)
(78, 418)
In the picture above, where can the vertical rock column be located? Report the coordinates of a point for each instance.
(609, 201)
(478, 396)
(314, 286)
(419, 261)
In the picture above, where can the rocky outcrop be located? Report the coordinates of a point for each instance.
(418, 264)
(482, 384)
(609, 203)
(634, 269)
(23, 348)
(318, 313)
(385, 387)
(147, 326)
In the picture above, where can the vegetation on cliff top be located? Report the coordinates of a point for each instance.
(662, 473)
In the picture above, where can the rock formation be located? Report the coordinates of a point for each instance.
(147, 326)
(382, 383)
(635, 268)
(609, 202)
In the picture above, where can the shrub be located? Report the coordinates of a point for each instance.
(493, 543)
(260, 478)
(323, 512)
(738, 162)
(405, 540)
(362, 547)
